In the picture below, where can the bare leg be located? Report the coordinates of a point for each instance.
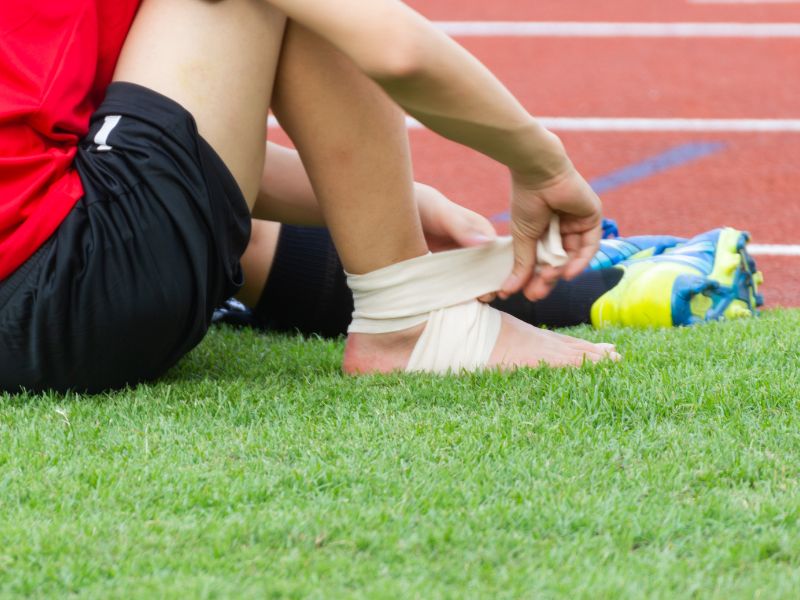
(354, 145)
(286, 195)
(551, 347)
(218, 60)
(257, 260)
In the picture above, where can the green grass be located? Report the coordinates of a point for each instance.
(256, 470)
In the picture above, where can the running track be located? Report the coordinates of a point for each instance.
(715, 135)
(749, 180)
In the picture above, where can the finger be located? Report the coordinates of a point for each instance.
(538, 289)
(524, 261)
(470, 229)
(480, 224)
(579, 263)
(581, 249)
(542, 283)
(486, 298)
(571, 243)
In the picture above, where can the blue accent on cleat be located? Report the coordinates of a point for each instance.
(612, 252)
(610, 229)
(684, 289)
(706, 278)
(730, 286)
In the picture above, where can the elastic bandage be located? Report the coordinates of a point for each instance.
(441, 289)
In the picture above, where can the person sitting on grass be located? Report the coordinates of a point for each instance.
(297, 282)
(133, 153)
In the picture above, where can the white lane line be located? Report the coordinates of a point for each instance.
(553, 122)
(774, 249)
(603, 29)
(647, 124)
(743, 1)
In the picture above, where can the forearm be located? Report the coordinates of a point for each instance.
(286, 194)
(452, 93)
(434, 79)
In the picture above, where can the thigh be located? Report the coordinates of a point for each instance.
(218, 60)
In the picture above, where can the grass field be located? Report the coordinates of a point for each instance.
(256, 470)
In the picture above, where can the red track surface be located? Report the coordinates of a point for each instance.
(753, 184)
(648, 77)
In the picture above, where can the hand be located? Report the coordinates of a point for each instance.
(448, 225)
(532, 206)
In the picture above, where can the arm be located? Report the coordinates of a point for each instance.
(286, 196)
(452, 93)
(433, 78)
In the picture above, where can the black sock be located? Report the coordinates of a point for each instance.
(306, 290)
(570, 302)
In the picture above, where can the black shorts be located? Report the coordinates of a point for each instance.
(127, 284)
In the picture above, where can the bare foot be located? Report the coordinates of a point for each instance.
(519, 344)
(523, 345)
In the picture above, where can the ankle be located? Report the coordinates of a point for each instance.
(380, 352)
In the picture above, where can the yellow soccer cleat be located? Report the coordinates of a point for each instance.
(707, 278)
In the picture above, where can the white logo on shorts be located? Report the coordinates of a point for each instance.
(101, 138)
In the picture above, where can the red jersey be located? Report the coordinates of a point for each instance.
(56, 61)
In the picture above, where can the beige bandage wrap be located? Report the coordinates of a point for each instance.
(442, 289)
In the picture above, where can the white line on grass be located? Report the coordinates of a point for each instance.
(648, 124)
(603, 29)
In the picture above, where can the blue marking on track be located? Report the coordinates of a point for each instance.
(674, 157)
